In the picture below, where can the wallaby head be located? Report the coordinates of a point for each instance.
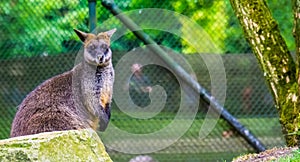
(96, 47)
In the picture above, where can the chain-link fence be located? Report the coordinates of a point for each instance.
(37, 42)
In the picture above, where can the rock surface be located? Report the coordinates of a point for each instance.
(73, 145)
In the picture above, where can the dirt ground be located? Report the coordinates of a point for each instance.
(267, 155)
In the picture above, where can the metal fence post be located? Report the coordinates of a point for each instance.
(92, 15)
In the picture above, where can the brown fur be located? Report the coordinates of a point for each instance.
(77, 99)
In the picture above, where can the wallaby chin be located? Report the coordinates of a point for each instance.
(52, 106)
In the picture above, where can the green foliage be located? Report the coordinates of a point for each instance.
(129, 41)
(283, 13)
(40, 27)
(210, 16)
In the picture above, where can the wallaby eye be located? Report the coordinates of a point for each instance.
(93, 46)
(106, 51)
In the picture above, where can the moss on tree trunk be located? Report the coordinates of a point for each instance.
(296, 33)
(270, 49)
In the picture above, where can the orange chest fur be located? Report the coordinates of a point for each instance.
(105, 96)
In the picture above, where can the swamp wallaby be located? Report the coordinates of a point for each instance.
(77, 99)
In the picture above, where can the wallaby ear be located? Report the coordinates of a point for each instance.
(111, 32)
(81, 35)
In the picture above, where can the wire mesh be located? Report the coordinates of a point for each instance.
(37, 42)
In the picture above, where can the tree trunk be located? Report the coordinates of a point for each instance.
(296, 33)
(270, 49)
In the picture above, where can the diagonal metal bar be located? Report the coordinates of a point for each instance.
(243, 131)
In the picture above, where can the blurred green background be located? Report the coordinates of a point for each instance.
(37, 41)
(37, 27)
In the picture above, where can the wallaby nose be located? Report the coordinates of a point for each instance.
(101, 58)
